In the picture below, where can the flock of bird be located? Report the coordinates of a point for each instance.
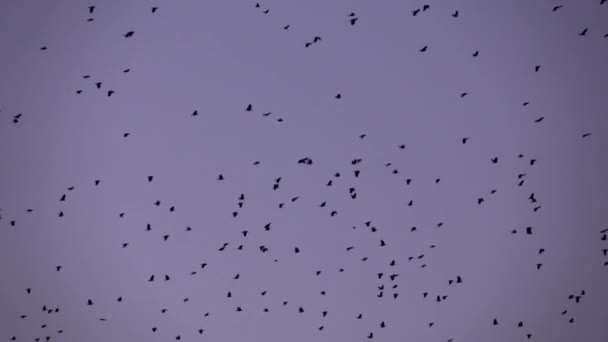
(390, 272)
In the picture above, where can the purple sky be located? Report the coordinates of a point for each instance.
(219, 56)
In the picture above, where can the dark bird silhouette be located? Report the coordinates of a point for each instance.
(129, 34)
(583, 32)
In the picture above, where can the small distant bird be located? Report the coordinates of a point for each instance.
(455, 14)
(353, 21)
(424, 48)
(536, 68)
(476, 53)
(195, 113)
(129, 34)
(586, 135)
(583, 32)
(338, 96)
(154, 9)
(555, 8)
(539, 119)
(91, 9)
(316, 39)
(286, 27)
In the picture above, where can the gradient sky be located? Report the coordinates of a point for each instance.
(219, 56)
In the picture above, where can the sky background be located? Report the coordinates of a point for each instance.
(219, 56)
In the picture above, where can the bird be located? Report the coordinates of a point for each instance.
(583, 32)
(154, 9)
(555, 8)
(129, 34)
(455, 14)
